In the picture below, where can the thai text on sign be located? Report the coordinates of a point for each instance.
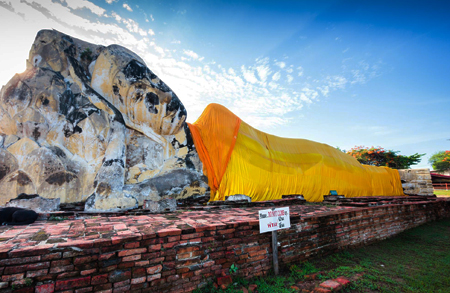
(274, 219)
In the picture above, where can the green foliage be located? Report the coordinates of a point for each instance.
(56, 218)
(86, 55)
(233, 269)
(378, 156)
(440, 161)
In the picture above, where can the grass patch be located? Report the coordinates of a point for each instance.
(417, 260)
(442, 192)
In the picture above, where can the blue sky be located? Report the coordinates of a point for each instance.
(345, 73)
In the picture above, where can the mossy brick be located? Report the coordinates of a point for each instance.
(156, 260)
(103, 287)
(67, 275)
(72, 283)
(99, 279)
(125, 265)
(131, 245)
(45, 288)
(14, 270)
(81, 252)
(84, 290)
(37, 273)
(122, 283)
(60, 269)
(122, 289)
(85, 259)
(51, 256)
(20, 260)
(61, 262)
(119, 275)
(14, 277)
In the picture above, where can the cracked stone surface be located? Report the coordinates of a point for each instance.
(92, 123)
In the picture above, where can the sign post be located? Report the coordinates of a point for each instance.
(272, 220)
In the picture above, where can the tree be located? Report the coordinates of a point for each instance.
(440, 161)
(378, 156)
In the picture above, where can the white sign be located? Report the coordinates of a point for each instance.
(274, 219)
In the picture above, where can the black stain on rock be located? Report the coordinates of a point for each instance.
(135, 71)
(21, 178)
(4, 170)
(109, 162)
(60, 178)
(150, 101)
(57, 151)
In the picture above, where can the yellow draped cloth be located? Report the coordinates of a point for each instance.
(239, 159)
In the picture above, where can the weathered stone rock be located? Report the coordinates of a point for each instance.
(35, 202)
(239, 197)
(85, 119)
(161, 206)
(416, 181)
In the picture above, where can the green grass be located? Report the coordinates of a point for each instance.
(417, 260)
(442, 192)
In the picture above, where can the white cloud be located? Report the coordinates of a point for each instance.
(111, 1)
(281, 64)
(192, 54)
(127, 7)
(80, 4)
(276, 76)
(249, 75)
(261, 93)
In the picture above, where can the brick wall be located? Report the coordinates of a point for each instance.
(180, 260)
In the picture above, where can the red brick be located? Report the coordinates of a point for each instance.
(85, 259)
(132, 251)
(46, 288)
(154, 270)
(132, 258)
(154, 247)
(153, 277)
(72, 283)
(138, 280)
(187, 249)
(226, 280)
(169, 232)
(88, 272)
(343, 281)
(332, 285)
(321, 290)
